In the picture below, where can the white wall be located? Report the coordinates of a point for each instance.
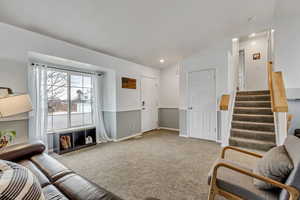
(233, 67)
(169, 87)
(16, 43)
(14, 75)
(256, 70)
(287, 48)
(215, 57)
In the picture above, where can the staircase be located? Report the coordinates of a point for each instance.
(253, 122)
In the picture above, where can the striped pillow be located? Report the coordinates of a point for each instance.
(18, 183)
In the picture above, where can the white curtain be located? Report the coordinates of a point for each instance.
(37, 86)
(98, 109)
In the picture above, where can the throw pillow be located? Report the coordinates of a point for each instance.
(18, 183)
(275, 164)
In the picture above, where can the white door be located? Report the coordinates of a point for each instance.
(202, 104)
(149, 97)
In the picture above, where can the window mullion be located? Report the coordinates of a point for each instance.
(69, 100)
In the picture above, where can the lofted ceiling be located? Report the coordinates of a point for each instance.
(140, 31)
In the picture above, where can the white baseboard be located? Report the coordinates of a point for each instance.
(127, 137)
(171, 129)
(183, 136)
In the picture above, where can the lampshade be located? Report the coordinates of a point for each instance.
(13, 105)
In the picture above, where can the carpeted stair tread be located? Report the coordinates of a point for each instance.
(251, 143)
(252, 123)
(265, 104)
(259, 126)
(258, 92)
(253, 110)
(253, 98)
(253, 134)
(253, 118)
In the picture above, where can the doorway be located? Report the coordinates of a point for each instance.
(254, 57)
(149, 98)
(202, 110)
(242, 71)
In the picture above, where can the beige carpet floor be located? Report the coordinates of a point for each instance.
(160, 164)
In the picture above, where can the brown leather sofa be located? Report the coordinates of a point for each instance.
(57, 181)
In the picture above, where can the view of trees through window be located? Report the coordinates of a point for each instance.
(69, 99)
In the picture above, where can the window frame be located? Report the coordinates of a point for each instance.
(69, 101)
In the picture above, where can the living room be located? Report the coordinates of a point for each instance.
(136, 100)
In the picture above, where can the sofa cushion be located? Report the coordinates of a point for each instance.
(69, 185)
(50, 167)
(240, 184)
(292, 146)
(36, 171)
(17, 182)
(275, 165)
(52, 193)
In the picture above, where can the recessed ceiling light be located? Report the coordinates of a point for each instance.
(273, 30)
(161, 60)
(235, 39)
(252, 35)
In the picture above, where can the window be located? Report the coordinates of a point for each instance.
(69, 99)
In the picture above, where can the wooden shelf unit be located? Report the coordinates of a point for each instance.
(77, 137)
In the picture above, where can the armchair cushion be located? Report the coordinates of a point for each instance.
(240, 184)
(275, 165)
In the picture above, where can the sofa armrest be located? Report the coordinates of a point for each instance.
(23, 150)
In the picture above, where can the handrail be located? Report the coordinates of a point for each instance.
(277, 90)
(279, 95)
(270, 70)
(224, 103)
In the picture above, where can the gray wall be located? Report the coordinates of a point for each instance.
(183, 122)
(168, 118)
(128, 123)
(294, 109)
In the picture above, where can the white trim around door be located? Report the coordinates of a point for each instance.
(202, 104)
(149, 103)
